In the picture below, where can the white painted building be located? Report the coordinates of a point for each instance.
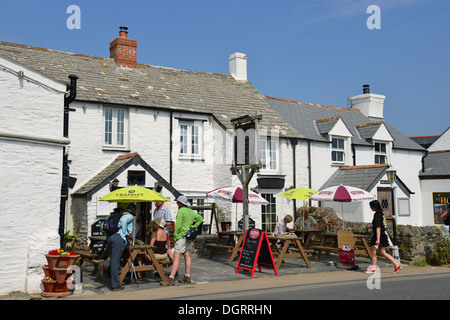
(31, 152)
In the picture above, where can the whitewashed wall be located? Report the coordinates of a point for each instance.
(31, 145)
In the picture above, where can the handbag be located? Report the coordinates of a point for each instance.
(191, 234)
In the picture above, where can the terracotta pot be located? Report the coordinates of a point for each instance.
(58, 261)
(53, 286)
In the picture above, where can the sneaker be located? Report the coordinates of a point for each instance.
(370, 271)
(169, 282)
(398, 269)
(185, 279)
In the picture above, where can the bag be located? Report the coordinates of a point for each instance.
(191, 234)
(111, 224)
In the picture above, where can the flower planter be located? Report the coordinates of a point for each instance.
(55, 282)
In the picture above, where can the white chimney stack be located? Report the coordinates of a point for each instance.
(238, 66)
(371, 105)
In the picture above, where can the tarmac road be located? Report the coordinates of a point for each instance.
(338, 285)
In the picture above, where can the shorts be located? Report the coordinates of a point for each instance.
(182, 245)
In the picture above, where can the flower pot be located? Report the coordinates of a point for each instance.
(60, 260)
(59, 274)
(225, 226)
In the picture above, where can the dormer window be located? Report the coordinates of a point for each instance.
(337, 150)
(380, 153)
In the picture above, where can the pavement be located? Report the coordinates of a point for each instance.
(215, 275)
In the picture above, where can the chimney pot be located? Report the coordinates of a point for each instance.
(123, 32)
(366, 88)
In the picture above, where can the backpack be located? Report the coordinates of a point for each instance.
(111, 224)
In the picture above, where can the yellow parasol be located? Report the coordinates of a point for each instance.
(298, 193)
(133, 194)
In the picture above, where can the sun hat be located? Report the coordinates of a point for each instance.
(160, 222)
(183, 200)
(288, 218)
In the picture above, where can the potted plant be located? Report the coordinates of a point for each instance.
(56, 275)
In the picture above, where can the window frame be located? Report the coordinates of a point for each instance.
(189, 143)
(379, 153)
(337, 150)
(117, 119)
(271, 214)
(266, 155)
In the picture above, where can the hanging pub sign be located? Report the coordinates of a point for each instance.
(256, 250)
(441, 202)
(246, 140)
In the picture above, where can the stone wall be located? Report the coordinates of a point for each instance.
(415, 243)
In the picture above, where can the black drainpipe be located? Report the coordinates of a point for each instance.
(294, 143)
(72, 88)
(170, 148)
(423, 160)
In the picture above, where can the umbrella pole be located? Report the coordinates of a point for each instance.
(342, 209)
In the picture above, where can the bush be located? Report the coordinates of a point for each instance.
(441, 253)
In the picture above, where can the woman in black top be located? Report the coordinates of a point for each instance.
(379, 238)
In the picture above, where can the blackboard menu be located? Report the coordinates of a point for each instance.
(256, 250)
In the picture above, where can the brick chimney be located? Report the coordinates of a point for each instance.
(124, 50)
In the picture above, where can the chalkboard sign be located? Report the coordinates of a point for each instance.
(256, 250)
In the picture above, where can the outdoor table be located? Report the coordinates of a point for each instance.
(88, 254)
(143, 258)
(329, 242)
(310, 234)
(231, 245)
(286, 252)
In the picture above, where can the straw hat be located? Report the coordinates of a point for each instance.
(160, 222)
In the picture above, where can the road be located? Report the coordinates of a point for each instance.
(425, 283)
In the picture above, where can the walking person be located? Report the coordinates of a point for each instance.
(117, 244)
(379, 238)
(186, 218)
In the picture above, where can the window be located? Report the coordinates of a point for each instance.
(268, 155)
(115, 127)
(190, 139)
(380, 153)
(268, 213)
(403, 207)
(337, 150)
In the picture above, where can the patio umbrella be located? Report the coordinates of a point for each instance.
(342, 194)
(298, 193)
(133, 194)
(235, 195)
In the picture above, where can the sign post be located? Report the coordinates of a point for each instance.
(245, 155)
(256, 250)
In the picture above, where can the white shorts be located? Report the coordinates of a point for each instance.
(182, 245)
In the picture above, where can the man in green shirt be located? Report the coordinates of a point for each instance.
(186, 218)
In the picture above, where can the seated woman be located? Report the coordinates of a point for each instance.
(159, 238)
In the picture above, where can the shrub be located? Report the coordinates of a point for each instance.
(441, 253)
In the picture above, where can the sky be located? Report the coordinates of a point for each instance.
(316, 51)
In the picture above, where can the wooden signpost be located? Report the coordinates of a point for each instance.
(256, 250)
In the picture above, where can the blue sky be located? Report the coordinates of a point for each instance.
(318, 51)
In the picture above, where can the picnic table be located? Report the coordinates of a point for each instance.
(231, 245)
(291, 247)
(144, 259)
(329, 243)
(310, 235)
(88, 254)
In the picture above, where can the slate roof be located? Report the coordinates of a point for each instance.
(101, 80)
(120, 164)
(425, 141)
(303, 116)
(365, 177)
(437, 164)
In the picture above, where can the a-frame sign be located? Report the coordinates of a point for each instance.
(256, 250)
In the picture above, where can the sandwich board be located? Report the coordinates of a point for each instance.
(346, 245)
(256, 250)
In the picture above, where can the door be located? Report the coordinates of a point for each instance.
(385, 198)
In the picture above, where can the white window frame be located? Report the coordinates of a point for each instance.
(380, 153)
(115, 128)
(339, 150)
(194, 130)
(269, 156)
(271, 215)
(404, 207)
